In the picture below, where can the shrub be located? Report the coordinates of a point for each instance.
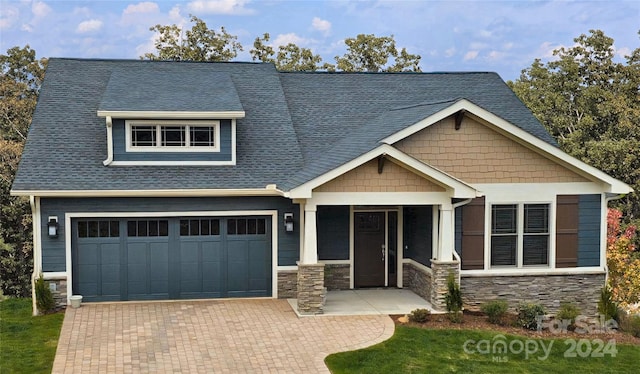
(453, 299)
(419, 315)
(528, 315)
(631, 324)
(568, 311)
(44, 297)
(495, 310)
(16, 265)
(607, 306)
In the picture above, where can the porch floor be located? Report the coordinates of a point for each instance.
(370, 301)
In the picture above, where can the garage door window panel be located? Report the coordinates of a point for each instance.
(146, 228)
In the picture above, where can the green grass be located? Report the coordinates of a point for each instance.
(27, 344)
(417, 350)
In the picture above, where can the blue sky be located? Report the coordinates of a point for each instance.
(501, 36)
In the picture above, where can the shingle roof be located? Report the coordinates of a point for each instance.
(297, 125)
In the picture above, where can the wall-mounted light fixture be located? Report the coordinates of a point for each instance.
(288, 222)
(52, 227)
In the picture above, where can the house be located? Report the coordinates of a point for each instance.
(166, 180)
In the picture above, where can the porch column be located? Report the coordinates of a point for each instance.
(446, 238)
(311, 290)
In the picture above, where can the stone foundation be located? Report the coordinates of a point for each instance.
(547, 290)
(287, 284)
(60, 292)
(440, 271)
(337, 276)
(311, 290)
(417, 280)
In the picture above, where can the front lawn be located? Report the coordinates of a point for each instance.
(27, 344)
(419, 350)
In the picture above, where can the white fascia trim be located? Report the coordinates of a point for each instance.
(172, 163)
(132, 114)
(109, 159)
(460, 188)
(269, 191)
(510, 192)
(287, 268)
(379, 198)
(523, 272)
(54, 275)
(274, 235)
(512, 131)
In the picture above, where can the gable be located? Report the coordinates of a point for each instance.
(365, 178)
(477, 154)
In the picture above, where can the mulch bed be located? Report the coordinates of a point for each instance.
(474, 320)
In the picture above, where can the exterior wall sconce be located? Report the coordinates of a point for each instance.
(52, 227)
(288, 222)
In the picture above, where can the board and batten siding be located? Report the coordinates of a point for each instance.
(333, 232)
(120, 153)
(53, 249)
(417, 234)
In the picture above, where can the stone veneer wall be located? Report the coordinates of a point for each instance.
(287, 284)
(440, 274)
(337, 276)
(548, 290)
(417, 280)
(311, 291)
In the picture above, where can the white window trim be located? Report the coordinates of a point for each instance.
(520, 235)
(165, 149)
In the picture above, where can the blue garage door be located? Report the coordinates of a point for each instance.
(171, 258)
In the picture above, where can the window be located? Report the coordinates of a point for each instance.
(519, 235)
(173, 136)
(199, 227)
(246, 226)
(148, 228)
(98, 229)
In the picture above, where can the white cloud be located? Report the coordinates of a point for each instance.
(284, 39)
(321, 24)
(9, 16)
(546, 49)
(478, 46)
(82, 11)
(89, 26)
(485, 33)
(471, 55)
(144, 7)
(450, 52)
(235, 7)
(40, 9)
(622, 52)
(507, 46)
(26, 27)
(496, 55)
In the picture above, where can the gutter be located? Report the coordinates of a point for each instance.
(453, 224)
(109, 142)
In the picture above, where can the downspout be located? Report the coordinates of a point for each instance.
(453, 224)
(109, 159)
(37, 249)
(607, 199)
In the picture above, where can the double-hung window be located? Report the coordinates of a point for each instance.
(173, 136)
(519, 235)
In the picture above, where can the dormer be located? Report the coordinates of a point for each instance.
(167, 117)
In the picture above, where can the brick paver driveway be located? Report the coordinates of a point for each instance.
(213, 336)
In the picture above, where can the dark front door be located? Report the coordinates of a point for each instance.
(369, 249)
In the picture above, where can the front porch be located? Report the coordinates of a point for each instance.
(379, 301)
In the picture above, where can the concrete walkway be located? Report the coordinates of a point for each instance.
(212, 336)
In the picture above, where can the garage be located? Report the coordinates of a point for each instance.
(160, 258)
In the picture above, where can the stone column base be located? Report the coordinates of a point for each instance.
(311, 291)
(440, 272)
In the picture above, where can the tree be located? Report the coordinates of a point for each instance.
(290, 57)
(622, 262)
(591, 105)
(199, 44)
(369, 53)
(22, 75)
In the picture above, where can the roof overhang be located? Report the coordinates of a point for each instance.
(270, 190)
(515, 133)
(131, 114)
(456, 187)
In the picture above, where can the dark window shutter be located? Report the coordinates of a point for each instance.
(473, 235)
(567, 231)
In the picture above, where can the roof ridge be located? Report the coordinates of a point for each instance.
(425, 103)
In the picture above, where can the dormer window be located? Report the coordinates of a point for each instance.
(172, 136)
